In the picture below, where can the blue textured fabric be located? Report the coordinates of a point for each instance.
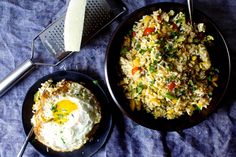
(21, 20)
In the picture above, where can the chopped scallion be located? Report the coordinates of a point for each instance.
(170, 96)
(95, 82)
(137, 47)
(139, 88)
(152, 68)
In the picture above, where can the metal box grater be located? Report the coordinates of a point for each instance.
(98, 14)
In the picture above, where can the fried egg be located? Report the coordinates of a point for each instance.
(64, 115)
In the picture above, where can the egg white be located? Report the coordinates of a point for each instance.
(71, 134)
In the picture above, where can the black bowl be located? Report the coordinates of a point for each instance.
(218, 52)
(101, 133)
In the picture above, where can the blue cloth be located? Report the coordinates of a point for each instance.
(21, 20)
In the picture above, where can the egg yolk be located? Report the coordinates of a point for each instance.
(62, 109)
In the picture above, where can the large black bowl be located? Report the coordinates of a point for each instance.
(100, 135)
(219, 55)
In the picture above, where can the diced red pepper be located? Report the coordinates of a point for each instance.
(171, 86)
(159, 17)
(135, 69)
(148, 31)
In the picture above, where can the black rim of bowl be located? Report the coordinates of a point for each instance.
(105, 126)
(220, 61)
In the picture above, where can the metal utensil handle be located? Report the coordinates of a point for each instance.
(22, 150)
(15, 76)
(190, 10)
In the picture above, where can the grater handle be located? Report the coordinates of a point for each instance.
(15, 76)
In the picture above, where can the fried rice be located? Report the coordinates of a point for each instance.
(165, 66)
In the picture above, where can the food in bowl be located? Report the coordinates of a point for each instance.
(66, 115)
(165, 65)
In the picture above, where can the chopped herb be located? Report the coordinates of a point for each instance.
(124, 50)
(160, 41)
(133, 41)
(209, 78)
(190, 82)
(174, 34)
(193, 88)
(195, 41)
(182, 92)
(150, 49)
(197, 107)
(54, 108)
(169, 67)
(63, 140)
(129, 32)
(158, 57)
(172, 50)
(60, 116)
(170, 96)
(142, 51)
(180, 20)
(85, 96)
(170, 79)
(152, 82)
(170, 54)
(79, 95)
(167, 48)
(152, 68)
(137, 47)
(95, 82)
(155, 62)
(139, 88)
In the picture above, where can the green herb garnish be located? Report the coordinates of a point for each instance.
(197, 107)
(152, 68)
(209, 78)
(170, 96)
(54, 107)
(142, 51)
(60, 116)
(95, 82)
(137, 47)
(139, 88)
(124, 50)
(63, 140)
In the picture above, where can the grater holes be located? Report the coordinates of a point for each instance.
(95, 19)
(98, 13)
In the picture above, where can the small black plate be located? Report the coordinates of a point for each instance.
(101, 134)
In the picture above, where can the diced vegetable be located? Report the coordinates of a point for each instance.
(148, 31)
(170, 96)
(152, 68)
(139, 88)
(171, 86)
(135, 69)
